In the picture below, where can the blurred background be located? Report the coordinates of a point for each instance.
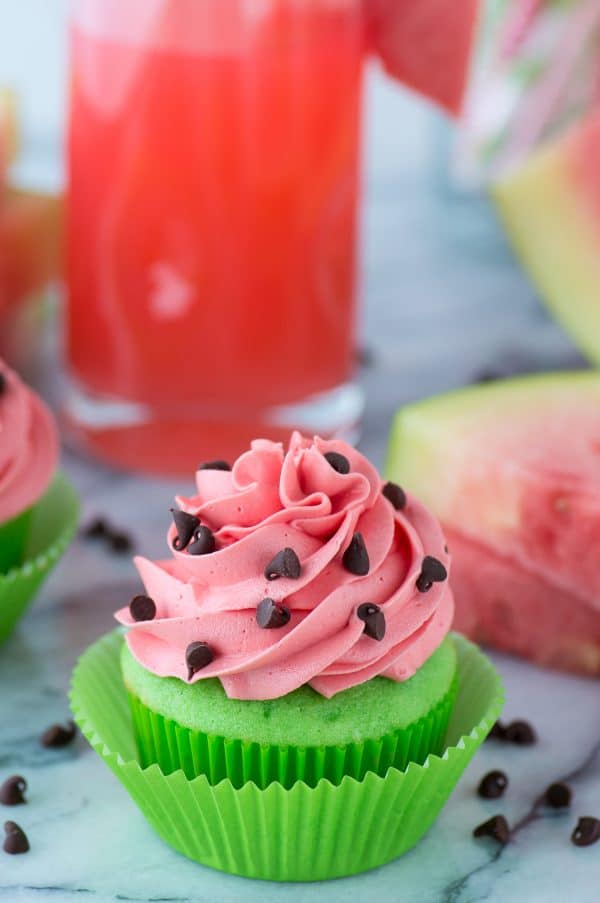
(440, 298)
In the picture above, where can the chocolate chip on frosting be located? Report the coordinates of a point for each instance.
(558, 795)
(214, 465)
(204, 542)
(432, 571)
(186, 525)
(15, 840)
(356, 557)
(340, 463)
(492, 785)
(197, 657)
(395, 495)
(374, 620)
(520, 732)
(285, 564)
(11, 792)
(270, 615)
(142, 608)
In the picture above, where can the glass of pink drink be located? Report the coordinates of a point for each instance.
(214, 157)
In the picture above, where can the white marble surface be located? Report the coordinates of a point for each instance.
(444, 300)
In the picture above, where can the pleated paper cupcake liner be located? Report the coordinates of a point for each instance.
(298, 834)
(48, 529)
(171, 746)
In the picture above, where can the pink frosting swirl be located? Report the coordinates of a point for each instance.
(28, 446)
(273, 500)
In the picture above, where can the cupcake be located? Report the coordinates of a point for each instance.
(299, 629)
(287, 702)
(38, 507)
(28, 462)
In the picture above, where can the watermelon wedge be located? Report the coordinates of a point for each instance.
(550, 206)
(426, 44)
(512, 469)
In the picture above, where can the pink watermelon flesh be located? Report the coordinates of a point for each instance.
(426, 44)
(513, 472)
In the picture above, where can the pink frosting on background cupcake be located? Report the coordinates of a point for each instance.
(28, 446)
(270, 501)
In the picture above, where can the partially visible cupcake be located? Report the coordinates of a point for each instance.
(28, 461)
(299, 630)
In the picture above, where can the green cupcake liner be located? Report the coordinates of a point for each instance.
(50, 526)
(298, 834)
(171, 746)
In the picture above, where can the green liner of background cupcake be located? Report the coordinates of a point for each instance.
(293, 653)
(38, 508)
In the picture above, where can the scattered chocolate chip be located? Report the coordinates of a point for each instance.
(492, 785)
(498, 732)
(120, 542)
(558, 796)
(11, 792)
(432, 571)
(395, 494)
(285, 564)
(186, 525)
(496, 828)
(270, 615)
(340, 463)
(15, 841)
(204, 542)
(374, 620)
(364, 357)
(96, 529)
(214, 465)
(586, 831)
(3, 383)
(446, 549)
(142, 608)
(58, 735)
(520, 733)
(197, 657)
(356, 558)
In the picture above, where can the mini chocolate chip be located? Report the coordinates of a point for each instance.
(197, 657)
(432, 571)
(520, 733)
(374, 620)
(214, 465)
(3, 383)
(58, 735)
(356, 557)
(338, 462)
(586, 831)
(270, 615)
(558, 796)
(186, 525)
(120, 542)
(394, 494)
(285, 564)
(492, 785)
(498, 732)
(11, 792)
(15, 841)
(96, 529)
(496, 828)
(204, 542)
(142, 608)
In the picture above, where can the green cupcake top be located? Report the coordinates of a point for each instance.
(304, 717)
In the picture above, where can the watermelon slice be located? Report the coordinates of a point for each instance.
(551, 209)
(426, 44)
(512, 469)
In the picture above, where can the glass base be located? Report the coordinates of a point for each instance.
(172, 443)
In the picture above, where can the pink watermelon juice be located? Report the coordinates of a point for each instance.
(213, 211)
